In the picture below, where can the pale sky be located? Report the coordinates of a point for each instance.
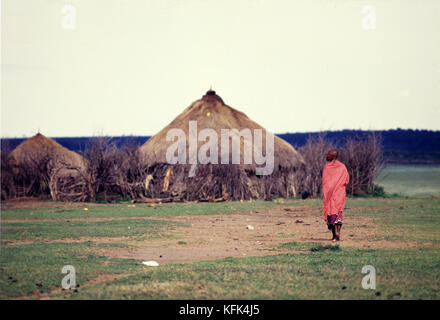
(130, 67)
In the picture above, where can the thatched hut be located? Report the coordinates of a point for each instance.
(217, 179)
(40, 164)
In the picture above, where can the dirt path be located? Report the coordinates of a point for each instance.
(88, 219)
(211, 237)
(33, 203)
(65, 240)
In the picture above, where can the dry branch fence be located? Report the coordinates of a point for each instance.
(361, 155)
(110, 172)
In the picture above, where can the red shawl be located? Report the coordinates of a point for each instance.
(334, 181)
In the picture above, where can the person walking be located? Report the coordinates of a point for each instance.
(334, 182)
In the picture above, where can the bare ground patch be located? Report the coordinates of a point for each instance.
(214, 237)
(211, 237)
(35, 203)
(88, 219)
(67, 240)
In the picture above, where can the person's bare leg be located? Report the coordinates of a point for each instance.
(333, 232)
(338, 232)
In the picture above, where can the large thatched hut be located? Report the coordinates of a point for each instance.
(40, 163)
(192, 179)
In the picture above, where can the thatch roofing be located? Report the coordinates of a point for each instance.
(40, 147)
(211, 112)
(209, 182)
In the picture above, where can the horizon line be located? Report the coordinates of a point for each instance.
(279, 133)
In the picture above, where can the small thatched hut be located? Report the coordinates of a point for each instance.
(40, 163)
(39, 147)
(218, 179)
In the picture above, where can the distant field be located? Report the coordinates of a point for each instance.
(411, 180)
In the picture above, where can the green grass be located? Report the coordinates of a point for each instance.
(410, 180)
(304, 246)
(310, 271)
(412, 219)
(26, 268)
(76, 229)
(320, 274)
(139, 210)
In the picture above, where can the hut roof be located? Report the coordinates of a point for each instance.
(39, 146)
(211, 112)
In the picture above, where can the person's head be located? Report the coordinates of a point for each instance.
(332, 155)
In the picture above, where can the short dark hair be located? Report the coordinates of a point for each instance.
(333, 154)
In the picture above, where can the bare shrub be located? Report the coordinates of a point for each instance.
(103, 160)
(363, 159)
(309, 177)
(109, 173)
(361, 155)
(131, 173)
